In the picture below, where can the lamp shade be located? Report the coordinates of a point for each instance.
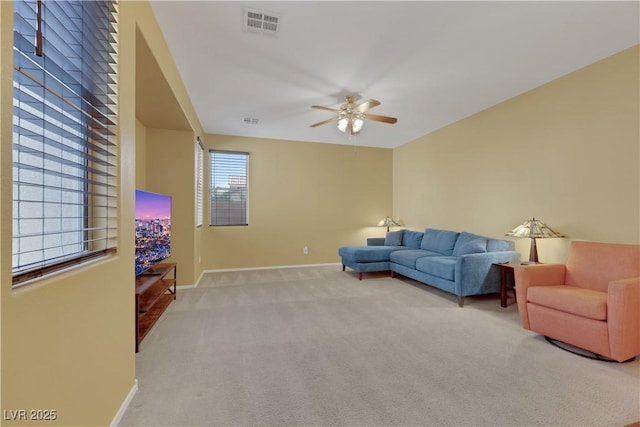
(388, 222)
(534, 229)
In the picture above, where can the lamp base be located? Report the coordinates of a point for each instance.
(533, 251)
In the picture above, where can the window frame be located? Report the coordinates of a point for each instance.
(223, 170)
(65, 140)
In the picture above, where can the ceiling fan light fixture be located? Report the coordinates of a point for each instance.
(343, 122)
(351, 117)
(356, 126)
(351, 122)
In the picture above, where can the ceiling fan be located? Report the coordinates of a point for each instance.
(351, 116)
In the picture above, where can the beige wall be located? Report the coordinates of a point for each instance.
(170, 170)
(566, 153)
(141, 155)
(67, 341)
(300, 194)
(166, 130)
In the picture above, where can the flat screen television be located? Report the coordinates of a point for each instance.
(153, 230)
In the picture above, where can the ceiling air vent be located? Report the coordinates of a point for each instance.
(260, 22)
(250, 121)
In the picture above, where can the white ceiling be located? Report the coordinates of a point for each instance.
(429, 63)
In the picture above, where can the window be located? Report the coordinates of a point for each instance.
(229, 188)
(199, 182)
(64, 142)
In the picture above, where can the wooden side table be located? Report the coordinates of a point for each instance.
(506, 271)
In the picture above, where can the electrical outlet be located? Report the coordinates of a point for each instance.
(199, 259)
(305, 250)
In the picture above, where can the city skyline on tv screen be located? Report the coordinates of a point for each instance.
(153, 229)
(152, 205)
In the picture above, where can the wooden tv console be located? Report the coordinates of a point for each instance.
(155, 289)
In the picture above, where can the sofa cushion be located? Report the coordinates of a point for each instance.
(393, 238)
(476, 246)
(440, 241)
(440, 266)
(367, 253)
(463, 238)
(408, 257)
(570, 299)
(496, 245)
(411, 239)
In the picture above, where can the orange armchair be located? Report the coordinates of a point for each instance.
(592, 302)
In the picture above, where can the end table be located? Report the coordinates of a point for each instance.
(506, 269)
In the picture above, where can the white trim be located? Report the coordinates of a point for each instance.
(123, 408)
(199, 278)
(194, 286)
(224, 270)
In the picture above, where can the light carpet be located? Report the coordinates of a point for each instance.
(318, 347)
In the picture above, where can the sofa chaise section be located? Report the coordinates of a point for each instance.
(366, 259)
(375, 256)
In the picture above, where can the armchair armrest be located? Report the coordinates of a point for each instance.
(623, 318)
(535, 275)
(375, 241)
(540, 274)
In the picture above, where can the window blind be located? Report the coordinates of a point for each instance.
(229, 188)
(64, 134)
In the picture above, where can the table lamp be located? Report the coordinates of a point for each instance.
(534, 229)
(388, 222)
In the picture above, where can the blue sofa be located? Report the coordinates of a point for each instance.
(457, 262)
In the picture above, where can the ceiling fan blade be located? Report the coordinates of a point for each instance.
(377, 118)
(324, 122)
(367, 105)
(320, 107)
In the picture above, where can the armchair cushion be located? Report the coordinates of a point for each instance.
(582, 302)
(593, 265)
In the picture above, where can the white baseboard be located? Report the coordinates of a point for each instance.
(224, 270)
(195, 285)
(183, 287)
(127, 400)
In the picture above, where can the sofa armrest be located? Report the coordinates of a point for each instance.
(623, 318)
(474, 275)
(375, 241)
(535, 275)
